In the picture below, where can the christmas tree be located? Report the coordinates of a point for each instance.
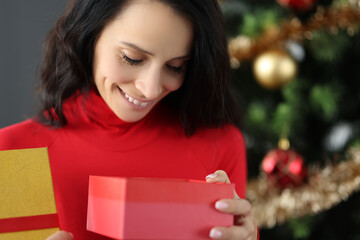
(297, 77)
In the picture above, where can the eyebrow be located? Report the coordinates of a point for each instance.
(133, 46)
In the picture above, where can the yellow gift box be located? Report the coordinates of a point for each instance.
(27, 202)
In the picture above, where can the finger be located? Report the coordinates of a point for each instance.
(244, 218)
(222, 177)
(234, 206)
(61, 235)
(233, 232)
(218, 176)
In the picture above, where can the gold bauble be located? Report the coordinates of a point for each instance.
(274, 68)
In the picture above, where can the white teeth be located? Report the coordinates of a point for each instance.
(134, 101)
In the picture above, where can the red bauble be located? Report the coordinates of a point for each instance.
(297, 5)
(284, 168)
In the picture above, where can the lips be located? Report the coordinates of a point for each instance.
(134, 101)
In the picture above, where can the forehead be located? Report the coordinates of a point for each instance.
(152, 25)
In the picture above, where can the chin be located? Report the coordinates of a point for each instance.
(131, 118)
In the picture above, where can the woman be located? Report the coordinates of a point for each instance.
(137, 88)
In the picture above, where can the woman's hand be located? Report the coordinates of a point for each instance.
(245, 227)
(61, 235)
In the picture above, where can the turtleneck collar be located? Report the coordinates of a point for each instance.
(90, 117)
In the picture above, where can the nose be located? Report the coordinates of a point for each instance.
(149, 84)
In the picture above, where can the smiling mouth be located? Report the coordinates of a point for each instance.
(133, 101)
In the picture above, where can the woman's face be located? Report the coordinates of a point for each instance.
(140, 57)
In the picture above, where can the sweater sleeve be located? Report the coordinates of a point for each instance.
(231, 157)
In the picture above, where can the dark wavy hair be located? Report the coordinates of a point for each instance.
(204, 99)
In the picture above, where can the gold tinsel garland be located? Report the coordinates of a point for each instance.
(345, 16)
(325, 188)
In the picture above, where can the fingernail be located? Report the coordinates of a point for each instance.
(71, 234)
(214, 233)
(221, 205)
(213, 175)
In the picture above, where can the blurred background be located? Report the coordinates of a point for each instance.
(296, 69)
(23, 27)
(296, 66)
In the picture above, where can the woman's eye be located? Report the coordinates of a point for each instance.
(128, 60)
(175, 69)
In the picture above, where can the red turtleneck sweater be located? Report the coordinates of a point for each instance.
(96, 142)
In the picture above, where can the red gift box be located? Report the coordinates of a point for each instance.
(143, 208)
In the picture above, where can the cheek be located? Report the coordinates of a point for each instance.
(174, 83)
(118, 75)
(115, 73)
